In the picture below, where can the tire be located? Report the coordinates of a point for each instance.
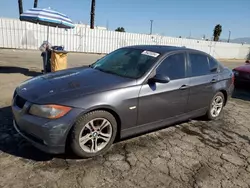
(213, 116)
(83, 129)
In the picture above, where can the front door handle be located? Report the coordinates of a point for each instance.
(184, 87)
(214, 80)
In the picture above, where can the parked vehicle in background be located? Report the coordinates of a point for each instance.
(130, 91)
(242, 74)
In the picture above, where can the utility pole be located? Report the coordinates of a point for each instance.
(20, 6)
(92, 15)
(229, 35)
(35, 3)
(151, 26)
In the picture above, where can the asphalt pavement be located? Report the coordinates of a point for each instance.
(194, 154)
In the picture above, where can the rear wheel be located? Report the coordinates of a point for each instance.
(93, 134)
(216, 106)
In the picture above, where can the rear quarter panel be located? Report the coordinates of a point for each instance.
(226, 81)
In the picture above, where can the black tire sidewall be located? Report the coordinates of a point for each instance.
(209, 115)
(83, 120)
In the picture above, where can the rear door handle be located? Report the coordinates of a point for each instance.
(184, 87)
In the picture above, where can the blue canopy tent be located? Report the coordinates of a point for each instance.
(47, 17)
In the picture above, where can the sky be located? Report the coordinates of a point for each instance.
(175, 18)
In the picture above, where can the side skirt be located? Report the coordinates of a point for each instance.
(155, 126)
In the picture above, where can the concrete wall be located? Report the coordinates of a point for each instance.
(24, 35)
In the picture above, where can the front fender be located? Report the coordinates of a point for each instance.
(123, 102)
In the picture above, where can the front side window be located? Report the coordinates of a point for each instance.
(173, 67)
(199, 64)
(127, 62)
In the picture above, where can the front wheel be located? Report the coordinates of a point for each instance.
(216, 106)
(93, 134)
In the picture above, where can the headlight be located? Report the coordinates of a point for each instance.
(49, 111)
(236, 73)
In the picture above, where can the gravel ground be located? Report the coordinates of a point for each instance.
(193, 154)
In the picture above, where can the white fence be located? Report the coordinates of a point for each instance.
(24, 35)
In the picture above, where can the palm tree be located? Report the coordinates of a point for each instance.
(35, 3)
(20, 6)
(217, 32)
(92, 15)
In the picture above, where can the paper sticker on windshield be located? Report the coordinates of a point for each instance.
(153, 54)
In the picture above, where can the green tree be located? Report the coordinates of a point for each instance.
(20, 6)
(120, 29)
(217, 32)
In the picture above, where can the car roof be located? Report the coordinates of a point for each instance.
(162, 49)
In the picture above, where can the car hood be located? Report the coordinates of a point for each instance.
(243, 68)
(71, 83)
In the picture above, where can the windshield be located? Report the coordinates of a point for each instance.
(127, 62)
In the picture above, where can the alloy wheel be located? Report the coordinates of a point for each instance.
(217, 106)
(95, 135)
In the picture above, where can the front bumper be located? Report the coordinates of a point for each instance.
(242, 78)
(242, 81)
(47, 135)
(38, 143)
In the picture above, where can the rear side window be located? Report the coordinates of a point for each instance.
(173, 67)
(213, 65)
(199, 64)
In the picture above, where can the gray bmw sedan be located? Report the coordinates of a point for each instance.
(131, 91)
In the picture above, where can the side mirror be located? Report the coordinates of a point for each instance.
(247, 61)
(160, 78)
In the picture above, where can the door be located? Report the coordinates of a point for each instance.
(158, 101)
(203, 78)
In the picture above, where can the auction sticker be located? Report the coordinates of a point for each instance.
(149, 53)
